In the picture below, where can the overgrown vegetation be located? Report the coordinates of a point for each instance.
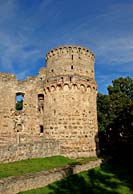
(114, 177)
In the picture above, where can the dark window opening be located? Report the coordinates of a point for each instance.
(41, 129)
(19, 101)
(70, 79)
(41, 96)
(72, 57)
(71, 66)
(52, 70)
(40, 102)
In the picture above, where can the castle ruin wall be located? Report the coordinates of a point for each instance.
(59, 106)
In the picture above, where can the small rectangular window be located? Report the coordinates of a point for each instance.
(40, 102)
(41, 129)
(72, 57)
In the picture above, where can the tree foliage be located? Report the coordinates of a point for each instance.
(115, 114)
(19, 105)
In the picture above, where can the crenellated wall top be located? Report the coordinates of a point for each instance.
(72, 49)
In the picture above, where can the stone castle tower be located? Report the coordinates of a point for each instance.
(59, 114)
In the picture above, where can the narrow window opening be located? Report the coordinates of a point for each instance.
(72, 57)
(52, 70)
(71, 66)
(40, 102)
(41, 129)
(70, 79)
(19, 101)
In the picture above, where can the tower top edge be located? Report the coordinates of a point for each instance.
(69, 48)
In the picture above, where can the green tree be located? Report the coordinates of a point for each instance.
(115, 113)
(103, 111)
(19, 105)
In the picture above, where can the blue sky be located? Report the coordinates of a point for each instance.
(30, 28)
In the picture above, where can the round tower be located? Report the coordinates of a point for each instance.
(70, 60)
(70, 115)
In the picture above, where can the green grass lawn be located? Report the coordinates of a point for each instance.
(38, 164)
(33, 165)
(111, 178)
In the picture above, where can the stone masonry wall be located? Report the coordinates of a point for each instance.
(26, 149)
(70, 95)
(59, 105)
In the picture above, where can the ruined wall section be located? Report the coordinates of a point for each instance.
(59, 108)
(26, 118)
(7, 101)
(26, 121)
(31, 117)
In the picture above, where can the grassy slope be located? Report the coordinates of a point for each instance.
(33, 165)
(112, 178)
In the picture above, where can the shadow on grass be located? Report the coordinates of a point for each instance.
(123, 170)
(113, 177)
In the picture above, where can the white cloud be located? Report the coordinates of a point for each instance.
(24, 33)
